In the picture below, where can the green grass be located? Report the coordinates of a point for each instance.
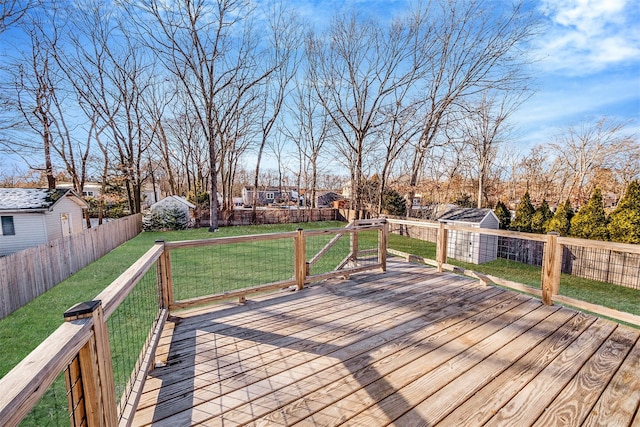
(24, 329)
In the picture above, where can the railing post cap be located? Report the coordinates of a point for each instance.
(553, 233)
(82, 308)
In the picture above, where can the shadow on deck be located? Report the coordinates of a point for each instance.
(408, 347)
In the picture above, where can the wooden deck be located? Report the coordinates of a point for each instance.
(410, 347)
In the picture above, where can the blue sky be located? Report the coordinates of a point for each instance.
(586, 61)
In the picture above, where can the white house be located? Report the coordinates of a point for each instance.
(475, 248)
(33, 216)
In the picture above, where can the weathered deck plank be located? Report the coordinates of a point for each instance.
(408, 347)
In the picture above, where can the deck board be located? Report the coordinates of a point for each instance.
(408, 347)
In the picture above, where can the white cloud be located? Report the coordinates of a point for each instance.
(586, 36)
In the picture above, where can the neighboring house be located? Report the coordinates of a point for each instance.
(91, 189)
(475, 248)
(32, 216)
(171, 202)
(269, 195)
(327, 198)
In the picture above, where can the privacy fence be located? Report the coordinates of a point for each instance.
(277, 216)
(26, 274)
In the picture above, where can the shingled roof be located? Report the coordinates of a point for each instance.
(33, 199)
(474, 215)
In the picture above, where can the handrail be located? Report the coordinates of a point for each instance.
(120, 288)
(229, 240)
(28, 381)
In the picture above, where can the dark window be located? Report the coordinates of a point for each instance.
(7, 226)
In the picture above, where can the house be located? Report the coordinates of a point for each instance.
(270, 195)
(470, 247)
(149, 193)
(326, 199)
(90, 189)
(33, 216)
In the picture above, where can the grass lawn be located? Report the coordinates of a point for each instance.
(28, 326)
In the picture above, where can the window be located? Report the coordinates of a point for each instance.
(7, 226)
(87, 193)
(269, 196)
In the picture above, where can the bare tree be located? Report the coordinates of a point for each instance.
(483, 125)
(355, 68)
(213, 49)
(283, 61)
(583, 149)
(11, 11)
(310, 129)
(472, 48)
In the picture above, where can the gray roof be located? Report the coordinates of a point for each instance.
(172, 201)
(12, 199)
(465, 214)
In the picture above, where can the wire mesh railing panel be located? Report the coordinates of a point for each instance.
(130, 328)
(411, 245)
(520, 250)
(601, 276)
(210, 270)
(52, 409)
(331, 257)
(367, 248)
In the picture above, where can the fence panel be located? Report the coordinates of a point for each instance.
(27, 274)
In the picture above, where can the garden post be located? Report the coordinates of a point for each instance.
(441, 246)
(551, 264)
(98, 387)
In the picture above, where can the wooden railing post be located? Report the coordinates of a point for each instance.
(164, 276)
(300, 261)
(441, 246)
(354, 245)
(96, 370)
(383, 238)
(551, 264)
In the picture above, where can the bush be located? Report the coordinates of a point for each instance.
(561, 221)
(503, 214)
(167, 219)
(591, 222)
(524, 215)
(624, 221)
(541, 218)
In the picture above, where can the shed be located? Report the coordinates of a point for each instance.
(470, 247)
(33, 216)
(172, 202)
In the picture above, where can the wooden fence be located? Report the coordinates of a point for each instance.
(27, 274)
(278, 216)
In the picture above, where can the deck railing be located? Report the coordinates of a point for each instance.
(103, 362)
(474, 245)
(105, 349)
